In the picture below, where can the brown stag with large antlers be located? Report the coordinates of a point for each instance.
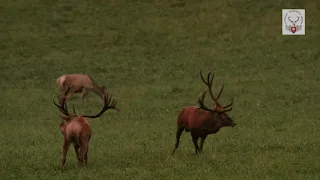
(76, 129)
(202, 121)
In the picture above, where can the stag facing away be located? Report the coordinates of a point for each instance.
(202, 121)
(76, 129)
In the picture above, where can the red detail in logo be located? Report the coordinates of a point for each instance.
(293, 29)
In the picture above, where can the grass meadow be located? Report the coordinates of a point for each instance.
(148, 53)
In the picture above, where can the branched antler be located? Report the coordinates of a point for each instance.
(108, 104)
(63, 105)
(209, 83)
(294, 22)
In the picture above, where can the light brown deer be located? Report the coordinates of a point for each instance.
(78, 83)
(202, 121)
(77, 131)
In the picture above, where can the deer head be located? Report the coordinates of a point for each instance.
(108, 104)
(218, 110)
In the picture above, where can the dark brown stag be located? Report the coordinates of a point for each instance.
(76, 129)
(202, 121)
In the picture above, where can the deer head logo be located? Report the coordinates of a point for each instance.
(293, 20)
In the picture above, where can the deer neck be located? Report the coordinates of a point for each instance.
(97, 89)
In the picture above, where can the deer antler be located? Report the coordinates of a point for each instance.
(218, 107)
(293, 22)
(63, 108)
(63, 105)
(209, 83)
(201, 102)
(108, 104)
(290, 20)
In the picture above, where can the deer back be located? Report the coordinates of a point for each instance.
(76, 127)
(76, 82)
(193, 117)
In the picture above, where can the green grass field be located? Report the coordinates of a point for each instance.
(149, 54)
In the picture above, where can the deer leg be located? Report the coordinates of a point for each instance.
(178, 135)
(203, 138)
(66, 146)
(69, 95)
(64, 94)
(86, 154)
(76, 149)
(86, 157)
(195, 138)
(81, 157)
(84, 95)
(61, 95)
(83, 151)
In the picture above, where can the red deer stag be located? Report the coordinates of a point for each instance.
(77, 131)
(202, 121)
(78, 83)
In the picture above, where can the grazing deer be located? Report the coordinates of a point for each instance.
(202, 121)
(78, 83)
(77, 131)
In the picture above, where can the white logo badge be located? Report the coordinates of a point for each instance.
(293, 22)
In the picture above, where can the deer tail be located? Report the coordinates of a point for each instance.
(60, 81)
